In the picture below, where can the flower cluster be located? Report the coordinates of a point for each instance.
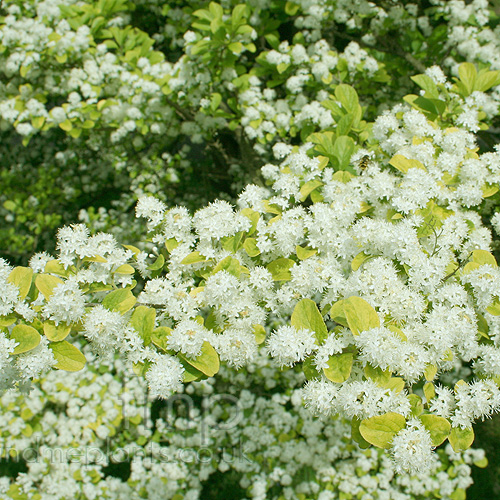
(101, 435)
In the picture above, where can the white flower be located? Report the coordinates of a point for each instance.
(165, 376)
(288, 344)
(412, 448)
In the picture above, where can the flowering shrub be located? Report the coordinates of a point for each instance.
(184, 101)
(361, 255)
(377, 285)
(73, 435)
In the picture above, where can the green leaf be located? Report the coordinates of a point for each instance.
(347, 96)
(343, 150)
(415, 404)
(309, 369)
(426, 83)
(360, 315)
(280, 269)
(494, 309)
(489, 190)
(339, 367)
(216, 99)
(229, 264)
(158, 263)
(160, 337)
(143, 321)
(254, 217)
(207, 362)
(66, 125)
(487, 80)
(291, 8)
(54, 332)
(27, 337)
(356, 435)
(307, 315)
(190, 372)
(461, 439)
(482, 463)
(233, 243)
(458, 494)
(7, 320)
(396, 384)
(438, 427)
(21, 277)
(46, 284)
(124, 269)
(468, 74)
(235, 47)
(380, 430)
(68, 357)
(55, 267)
(120, 300)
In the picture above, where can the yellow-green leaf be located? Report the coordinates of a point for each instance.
(251, 248)
(66, 125)
(379, 376)
(309, 187)
(143, 321)
(54, 332)
(125, 269)
(158, 263)
(280, 269)
(207, 362)
(360, 315)
(21, 277)
(304, 253)
(438, 427)
(359, 259)
(429, 391)
(160, 337)
(260, 333)
(404, 164)
(120, 300)
(46, 284)
(489, 190)
(193, 258)
(430, 372)
(494, 309)
(461, 439)
(337, 313)
(468, 74)
(306, 315)
(339, 367)
(68, 357)
(482, 257)
(396, 384)
(27, 337)
(415, 404)
(55, 267)
(380, 430)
